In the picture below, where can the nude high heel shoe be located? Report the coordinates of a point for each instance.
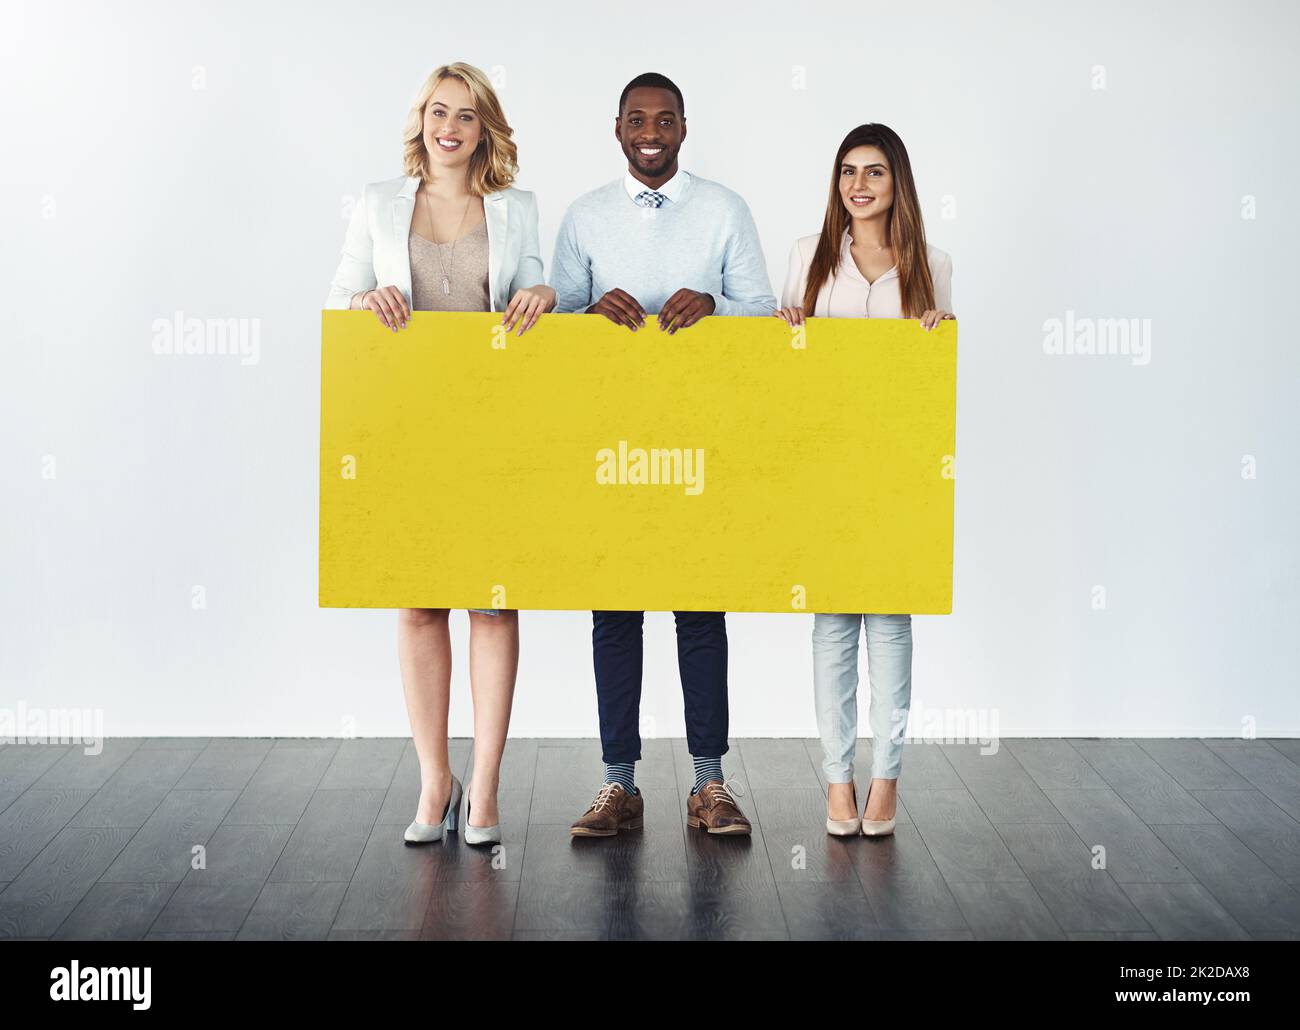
(844, 827)
(426, 833)
(479, 834)
(876, 827)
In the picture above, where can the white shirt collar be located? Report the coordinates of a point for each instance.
(672, 189)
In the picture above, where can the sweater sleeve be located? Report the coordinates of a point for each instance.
(746, 288)
(570, 269)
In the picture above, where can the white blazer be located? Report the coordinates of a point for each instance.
(375, 250)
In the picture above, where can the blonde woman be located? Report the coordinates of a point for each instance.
(451, 234)
(870, 260)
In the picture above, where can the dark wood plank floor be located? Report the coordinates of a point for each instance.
(302, 838)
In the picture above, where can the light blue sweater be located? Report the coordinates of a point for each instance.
(705, 240)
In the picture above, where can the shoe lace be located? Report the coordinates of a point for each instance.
(604, 796)
(722, 792)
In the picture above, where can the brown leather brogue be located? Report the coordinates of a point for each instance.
(714, 809)
(613, 809)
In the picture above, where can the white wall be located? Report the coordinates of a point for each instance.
(128, 194)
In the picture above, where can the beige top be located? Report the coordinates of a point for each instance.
(466, 272)
(847, 294)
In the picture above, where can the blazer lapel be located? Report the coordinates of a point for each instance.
(403, 209)
(495, 210)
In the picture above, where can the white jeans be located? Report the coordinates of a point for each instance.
(835, 687)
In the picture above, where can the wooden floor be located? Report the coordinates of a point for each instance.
(303, 839)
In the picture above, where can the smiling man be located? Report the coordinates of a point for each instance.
(659, 241)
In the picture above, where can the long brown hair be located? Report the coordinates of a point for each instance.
(906, 231)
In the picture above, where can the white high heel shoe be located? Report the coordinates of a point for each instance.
(844, 827)
(876, 827)
(426, 833)
(479, 834)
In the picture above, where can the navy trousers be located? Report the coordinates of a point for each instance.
(616, 645)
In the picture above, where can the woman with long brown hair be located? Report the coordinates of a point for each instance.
(870, 260)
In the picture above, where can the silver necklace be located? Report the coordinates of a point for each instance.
(446, 270)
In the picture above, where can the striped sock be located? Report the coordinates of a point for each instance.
(706, 769)
(622, 772)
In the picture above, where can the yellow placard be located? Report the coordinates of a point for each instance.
(737, 465)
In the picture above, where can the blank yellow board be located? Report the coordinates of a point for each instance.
(463, 467)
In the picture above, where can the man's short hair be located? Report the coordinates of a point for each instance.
(657, 81)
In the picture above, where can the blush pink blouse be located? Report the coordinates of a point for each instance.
(847, 294)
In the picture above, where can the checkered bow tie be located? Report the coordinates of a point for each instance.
(650, 198)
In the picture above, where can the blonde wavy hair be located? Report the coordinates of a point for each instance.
(494, 163)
